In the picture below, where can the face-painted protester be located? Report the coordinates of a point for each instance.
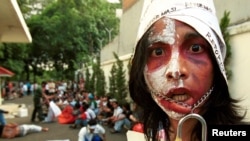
(178, 69)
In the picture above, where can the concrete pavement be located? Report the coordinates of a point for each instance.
(57, 132)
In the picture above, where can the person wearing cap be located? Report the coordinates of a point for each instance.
(177, 69)
(92, 132)
(12, 130)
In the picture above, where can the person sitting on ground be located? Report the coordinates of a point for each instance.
(12, 130)
(125, 117)
(105, 109)
(117, 117)
(53, 109)
(137, 114)
(84, 117)
(92, 103)
(92, 132)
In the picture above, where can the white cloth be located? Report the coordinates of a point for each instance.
(26, 129)
(135, 136)
(50, 116)
(56, 110)
(84, 132)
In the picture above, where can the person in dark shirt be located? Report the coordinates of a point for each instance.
(37, 101)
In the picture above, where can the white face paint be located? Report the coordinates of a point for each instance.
(157, 81)
(158, 84)
(173, 71)
(167, 35)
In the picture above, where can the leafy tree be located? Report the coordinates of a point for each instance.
(119, 88)
(112, 82)
(87, 79)
(54, 33)
(65, 33)
(11, 56)
(100, 84)
(122, 89)
(95, 82)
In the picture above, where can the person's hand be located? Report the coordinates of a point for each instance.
(115, 119)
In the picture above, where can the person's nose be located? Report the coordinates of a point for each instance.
(177, 69)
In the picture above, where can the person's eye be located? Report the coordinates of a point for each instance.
(196, 48)
(157, 52)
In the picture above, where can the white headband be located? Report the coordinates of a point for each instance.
(199, 14)
(92, 126)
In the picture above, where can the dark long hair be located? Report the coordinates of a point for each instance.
(220, 108)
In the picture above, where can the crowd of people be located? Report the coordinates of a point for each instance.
(69, 103)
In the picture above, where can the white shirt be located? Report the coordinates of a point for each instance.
(90, 114)
(117, 111)
(84, 132)
(24, 88)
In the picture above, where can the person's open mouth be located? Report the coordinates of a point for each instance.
(178, 96)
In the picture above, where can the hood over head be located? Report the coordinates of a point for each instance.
(199, 14)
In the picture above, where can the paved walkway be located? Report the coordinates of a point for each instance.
(57, 132)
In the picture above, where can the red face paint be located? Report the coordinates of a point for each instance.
(179, 69)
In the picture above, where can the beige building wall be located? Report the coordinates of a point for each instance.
(239, 30)
(239, 10)
(240, 34)
(123, 44)
(239, 83)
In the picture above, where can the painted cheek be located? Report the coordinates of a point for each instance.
(166, 35)
(156, 80)
(156, 72)
(201, 68)
(155, 63)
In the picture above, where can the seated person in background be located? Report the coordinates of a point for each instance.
(92, 132)
(137, 113)
(117, 117)
(85, 116)
(105, 109)
(125, 119)
(14, 130)
(77, 110)
(92, 103)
